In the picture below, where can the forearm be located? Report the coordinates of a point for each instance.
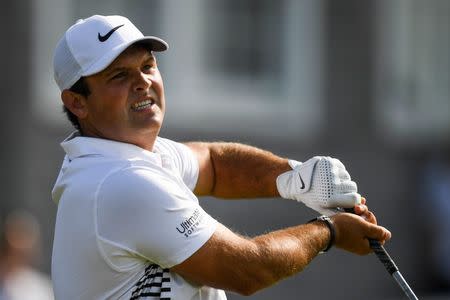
(246, 265)
(288, 251)
(241, 171)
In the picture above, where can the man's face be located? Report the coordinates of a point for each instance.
(126, 102)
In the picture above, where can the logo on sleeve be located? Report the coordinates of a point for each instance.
(188, 226)
(103, 38)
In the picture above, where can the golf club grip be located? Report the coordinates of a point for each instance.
(379, 251)
(389, 264)
(383, 256)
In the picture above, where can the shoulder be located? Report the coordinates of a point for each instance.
(167, 146)
(136, 178)
(138, 186)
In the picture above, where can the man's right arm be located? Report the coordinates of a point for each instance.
(246, 265)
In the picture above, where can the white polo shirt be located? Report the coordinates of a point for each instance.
(125, 217)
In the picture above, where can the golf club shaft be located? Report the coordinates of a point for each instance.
(391, 267)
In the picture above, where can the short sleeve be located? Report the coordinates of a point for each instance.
(183, 160)
(145, 212)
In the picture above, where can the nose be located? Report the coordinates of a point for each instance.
(143, 81)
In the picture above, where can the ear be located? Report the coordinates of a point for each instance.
(75, 103)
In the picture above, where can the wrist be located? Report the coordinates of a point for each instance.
(329, 224)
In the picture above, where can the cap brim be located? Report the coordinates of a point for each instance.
(155, 43)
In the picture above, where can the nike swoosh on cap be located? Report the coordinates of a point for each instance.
(103, 38)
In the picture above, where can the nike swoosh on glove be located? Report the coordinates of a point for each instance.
(321, 183)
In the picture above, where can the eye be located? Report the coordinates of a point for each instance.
(149, 67)
(119, 75)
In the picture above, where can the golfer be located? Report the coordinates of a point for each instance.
(129, 224)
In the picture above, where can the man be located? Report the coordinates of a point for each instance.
(129, 225)
(20, 240)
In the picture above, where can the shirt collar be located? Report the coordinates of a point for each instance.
(76, 145)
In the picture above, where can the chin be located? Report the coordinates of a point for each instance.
(153, 128)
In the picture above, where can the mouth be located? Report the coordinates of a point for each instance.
(138, 106)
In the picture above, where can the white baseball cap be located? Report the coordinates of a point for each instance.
(90, 46)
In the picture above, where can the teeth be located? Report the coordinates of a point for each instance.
(142, 105)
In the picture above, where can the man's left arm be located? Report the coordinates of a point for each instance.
(232, 170)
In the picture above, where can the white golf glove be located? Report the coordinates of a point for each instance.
(321, 183)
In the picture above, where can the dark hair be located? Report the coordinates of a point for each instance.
(80, 87)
